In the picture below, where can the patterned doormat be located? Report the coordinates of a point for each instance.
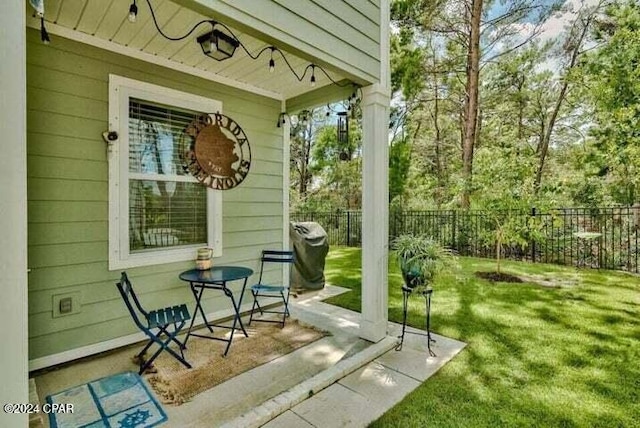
(121, 400)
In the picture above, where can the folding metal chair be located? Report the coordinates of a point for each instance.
(266, 290)
(159, 319)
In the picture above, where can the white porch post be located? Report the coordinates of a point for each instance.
(286, 155)
(13, 211)
(375, 211)
(375, 194)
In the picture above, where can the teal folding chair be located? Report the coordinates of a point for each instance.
(159, 320)
(271, 257)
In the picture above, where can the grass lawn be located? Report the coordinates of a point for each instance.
(536, 357)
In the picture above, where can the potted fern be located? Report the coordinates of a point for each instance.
(421, 259)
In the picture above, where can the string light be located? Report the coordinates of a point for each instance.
(133, 12)
(272, 63)
(44, 36)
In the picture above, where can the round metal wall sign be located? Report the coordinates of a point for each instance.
(218, 155)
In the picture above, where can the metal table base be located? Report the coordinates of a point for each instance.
(216, 278)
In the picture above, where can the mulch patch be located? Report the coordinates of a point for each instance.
(498, 277)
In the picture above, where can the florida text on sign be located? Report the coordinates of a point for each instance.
(219, 154)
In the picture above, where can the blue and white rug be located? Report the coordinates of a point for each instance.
(118, 401)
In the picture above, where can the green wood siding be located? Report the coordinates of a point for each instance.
(67, 100)
(340, 33)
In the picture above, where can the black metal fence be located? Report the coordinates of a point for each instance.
(343, 227)
(604, 238)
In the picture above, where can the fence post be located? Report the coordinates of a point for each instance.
(533, 241)
(348, 228)
(454, 226)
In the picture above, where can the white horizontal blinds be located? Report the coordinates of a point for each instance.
(157, 137)
(167, 207)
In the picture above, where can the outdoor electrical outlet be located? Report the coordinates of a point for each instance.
(66, 304)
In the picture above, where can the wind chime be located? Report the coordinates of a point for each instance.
(343, 134)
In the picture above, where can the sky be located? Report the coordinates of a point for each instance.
(551, 29)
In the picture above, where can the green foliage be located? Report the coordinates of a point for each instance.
(593, 150)
(406, 65)
(399, 163)
(505, 189)
(612, 74)
(339, 167)
(421, 259)
(325, 174)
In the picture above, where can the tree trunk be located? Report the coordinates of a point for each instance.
(305, 175)
(471, 101)
(521, 107)
(438, 147)
(498, 250)
(544, 147)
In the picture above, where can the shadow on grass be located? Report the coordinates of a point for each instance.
(536, 356)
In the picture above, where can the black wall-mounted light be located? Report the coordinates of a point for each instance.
(281, 119)
(218, 45)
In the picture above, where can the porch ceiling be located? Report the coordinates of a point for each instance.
(106, 21)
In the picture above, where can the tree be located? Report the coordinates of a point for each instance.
(504, 200)
(472, 38)
(572, 48)
(338, 166)
(612, 76)
(303, 134)
(471, 109)
(399, 163)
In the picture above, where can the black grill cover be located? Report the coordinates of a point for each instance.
(310, 245)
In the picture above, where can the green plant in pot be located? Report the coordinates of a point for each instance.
(421, 259)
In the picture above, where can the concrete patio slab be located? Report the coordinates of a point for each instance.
(382, 386)
(348, 378)
(288, 420)
(414, 360)
(334, 407)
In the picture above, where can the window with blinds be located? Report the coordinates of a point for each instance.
(167, 207)
(158, 212)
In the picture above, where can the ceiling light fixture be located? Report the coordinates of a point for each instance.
(218, 45)
(221, 45)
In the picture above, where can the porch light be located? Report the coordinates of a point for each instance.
(133, 12)
(281, 119)
(221, 45)
(218, 45)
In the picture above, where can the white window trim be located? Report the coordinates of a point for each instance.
(121, 89)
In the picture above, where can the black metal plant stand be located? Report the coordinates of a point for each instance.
(406, 292)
